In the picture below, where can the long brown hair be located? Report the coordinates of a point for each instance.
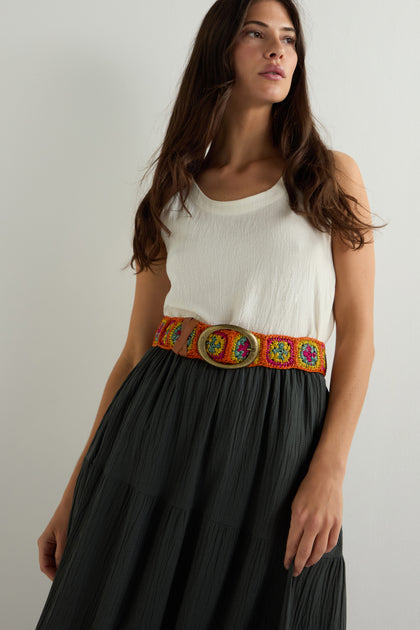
(309, 174)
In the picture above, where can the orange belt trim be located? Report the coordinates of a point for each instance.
(233, 346)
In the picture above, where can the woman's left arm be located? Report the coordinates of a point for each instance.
(317, 507)
(354, 347)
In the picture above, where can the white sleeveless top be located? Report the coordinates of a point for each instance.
(250, 262)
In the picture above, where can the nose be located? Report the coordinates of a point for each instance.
(276, 49)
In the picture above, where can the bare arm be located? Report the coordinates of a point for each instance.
(317, 509)
(119, 373)
(354, 348)
(150, 292)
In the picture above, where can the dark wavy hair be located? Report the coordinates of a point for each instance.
(309, 174)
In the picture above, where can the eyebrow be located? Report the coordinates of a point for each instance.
(282, 28)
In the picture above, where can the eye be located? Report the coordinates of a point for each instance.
(248, 32)
(291, 40)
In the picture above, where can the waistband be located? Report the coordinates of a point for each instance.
(229, 346)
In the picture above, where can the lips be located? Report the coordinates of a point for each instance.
(276, 69)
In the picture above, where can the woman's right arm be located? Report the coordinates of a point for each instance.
(150, 292)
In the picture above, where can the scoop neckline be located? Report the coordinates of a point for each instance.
(236, 206)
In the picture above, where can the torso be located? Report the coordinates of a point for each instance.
(257, 178)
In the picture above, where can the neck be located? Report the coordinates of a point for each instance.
(244, 137)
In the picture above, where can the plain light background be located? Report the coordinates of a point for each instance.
(87, 90)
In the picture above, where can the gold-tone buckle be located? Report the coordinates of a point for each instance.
(253, 346)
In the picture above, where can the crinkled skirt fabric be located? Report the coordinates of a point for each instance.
(181, 509)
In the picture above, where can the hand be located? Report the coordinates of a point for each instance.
(52, 541)
(317, 514)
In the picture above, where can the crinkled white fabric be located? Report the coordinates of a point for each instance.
(249, 262)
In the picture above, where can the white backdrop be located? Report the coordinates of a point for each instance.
(87, 88)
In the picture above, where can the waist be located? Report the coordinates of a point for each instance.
(230, 346)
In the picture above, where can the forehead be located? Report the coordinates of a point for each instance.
(269, 13)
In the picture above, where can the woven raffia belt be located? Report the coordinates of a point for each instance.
(229, 346)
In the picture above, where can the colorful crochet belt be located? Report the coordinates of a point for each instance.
(228, 346)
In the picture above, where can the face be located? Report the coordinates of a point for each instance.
(260, 46)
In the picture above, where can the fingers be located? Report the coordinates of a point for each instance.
(293, 540)
(318, 549)
(316, 515)
(52, 542)
(307, 544)
(61, 543)
(334, 535)
(46, 552)
(303, 551)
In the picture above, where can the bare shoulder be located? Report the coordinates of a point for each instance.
(355, 269)
(347, 169)
(351, 181)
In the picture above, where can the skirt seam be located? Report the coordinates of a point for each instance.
(250, 533)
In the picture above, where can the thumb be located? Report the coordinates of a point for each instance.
(61, 543)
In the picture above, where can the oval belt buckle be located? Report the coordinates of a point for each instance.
(253, 346)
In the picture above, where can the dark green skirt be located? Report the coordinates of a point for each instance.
(181, 509)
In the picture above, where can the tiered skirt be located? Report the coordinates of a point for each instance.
(181, 509)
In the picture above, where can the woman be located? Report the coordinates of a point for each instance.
(209, 496)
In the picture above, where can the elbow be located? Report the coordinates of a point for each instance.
(347, 339)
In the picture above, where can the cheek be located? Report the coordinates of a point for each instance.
(244, 61)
